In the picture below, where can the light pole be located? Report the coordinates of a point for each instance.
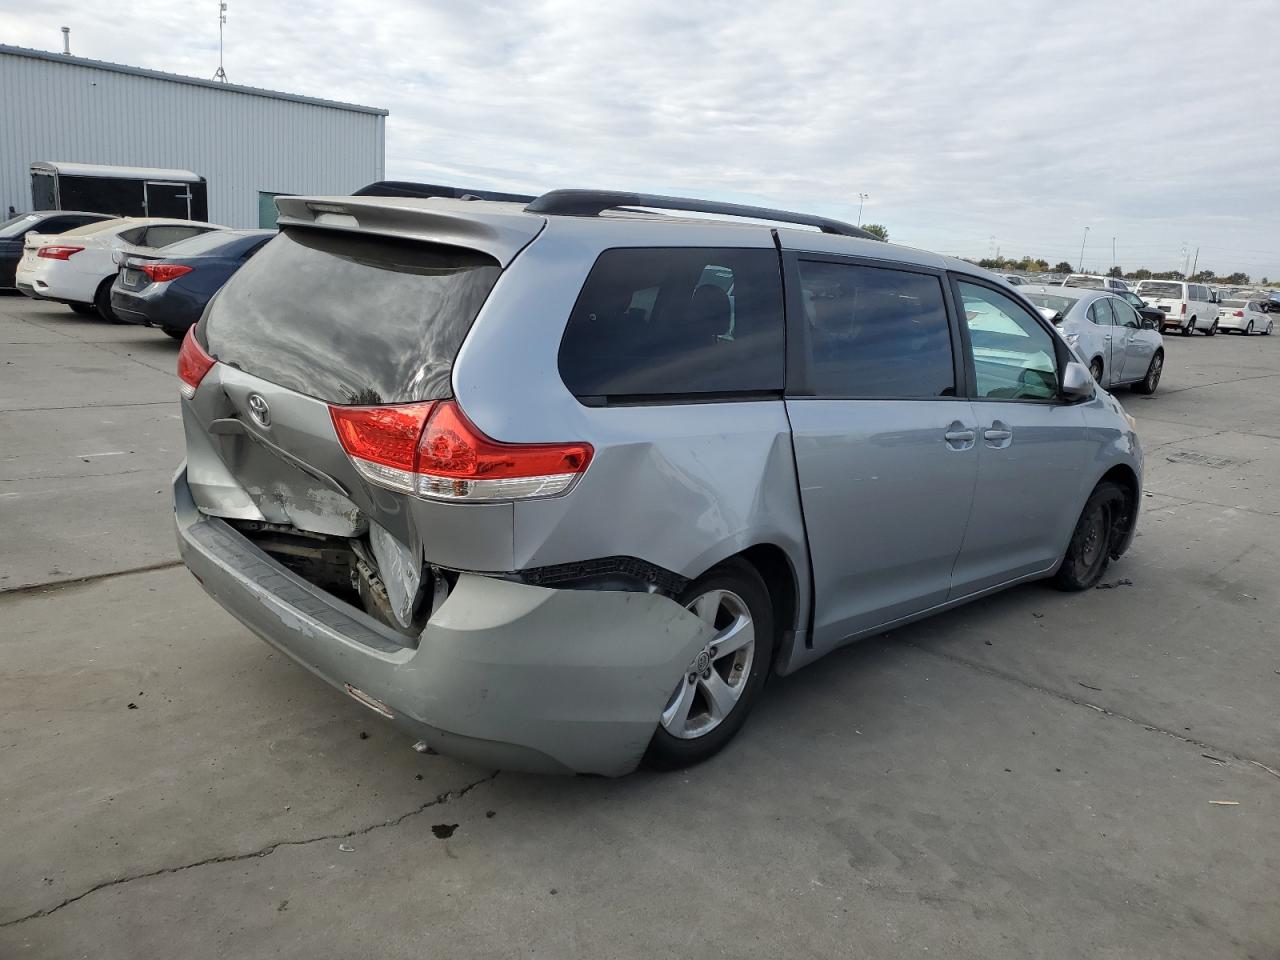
(862, 198)
(1082, 243)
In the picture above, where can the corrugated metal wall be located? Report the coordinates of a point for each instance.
(240, 143)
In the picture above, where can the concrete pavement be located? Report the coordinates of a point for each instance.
(1028, 776)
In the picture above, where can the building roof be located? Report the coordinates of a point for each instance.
(123, 173)
(178, 78)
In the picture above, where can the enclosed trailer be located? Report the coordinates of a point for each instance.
(121, 191)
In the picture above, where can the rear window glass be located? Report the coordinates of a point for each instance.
(216, 243)
(1061, 304)
(1088, 283)
(875, 332)
(1234, 303)
(651, 323)
(1158, 289)
(351, 318)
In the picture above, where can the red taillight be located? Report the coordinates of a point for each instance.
(1184, 309)
(1237, 313)
(193, 364)
(433, 450)
(160, 272)
(57, 252)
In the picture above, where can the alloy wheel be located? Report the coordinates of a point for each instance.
(1153, 375)
(713, 682)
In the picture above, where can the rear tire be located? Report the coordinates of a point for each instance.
(1213, 329)
(84, 309)
(1095, 368)
(1248, 330)
(102, 301)
(1089, 551)
(1267, 332)
(1149, 383)
(1190, 328)
(176, 334)
(734, 597)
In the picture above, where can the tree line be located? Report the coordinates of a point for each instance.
(1039, 265)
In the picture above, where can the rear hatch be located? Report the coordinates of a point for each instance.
(323, 320)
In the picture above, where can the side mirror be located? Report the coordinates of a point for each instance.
(1050, 314)
(1149, 324)
(1077, 382)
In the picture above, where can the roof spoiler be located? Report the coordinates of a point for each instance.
(591, 203)
(408, 188)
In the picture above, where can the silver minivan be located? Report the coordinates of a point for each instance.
(556, 486)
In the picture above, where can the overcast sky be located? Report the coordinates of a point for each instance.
(1156, 123)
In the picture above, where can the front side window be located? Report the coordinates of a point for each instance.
(1125, 315)
(1014, 357)
(653, 323)
(874, 332)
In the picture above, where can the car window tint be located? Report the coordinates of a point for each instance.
(1013, 355)
(1100, 313)
(162, 236)
(676, 321)
(875, 332)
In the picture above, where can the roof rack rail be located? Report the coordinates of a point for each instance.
(591, 203)
(408, 188)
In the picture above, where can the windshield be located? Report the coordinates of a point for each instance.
(1088, 283)
(1156, 288)
(1060, 304)
(351, 318)
(11, 228)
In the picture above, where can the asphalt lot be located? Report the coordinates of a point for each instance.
(1031, 776)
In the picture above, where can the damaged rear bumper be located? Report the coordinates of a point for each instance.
(504, 675)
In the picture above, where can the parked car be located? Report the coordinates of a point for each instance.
(1120, 347)
(169, 289)
(1015, 280)
(1089, 281)
(534, 483)
(1187, 306)
(1145, 310)
(14, 232)
(78, 267)
(1244, 316)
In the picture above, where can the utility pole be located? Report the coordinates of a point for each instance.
(1082, 243)
(1113, 253)
(862, 198)
(1193, 264)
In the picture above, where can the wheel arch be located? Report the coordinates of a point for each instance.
(1126, 478)
(781, 577)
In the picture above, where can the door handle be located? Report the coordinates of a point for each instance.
(1106, 336)
(959, 437)
(998, 434)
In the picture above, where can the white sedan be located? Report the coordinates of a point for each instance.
(78, 267)
(1243, 316)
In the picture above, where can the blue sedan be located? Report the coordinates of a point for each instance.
(170, 292)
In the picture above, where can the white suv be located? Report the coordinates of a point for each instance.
(1187, 307)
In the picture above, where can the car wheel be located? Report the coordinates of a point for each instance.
(1149, 383)
(102, 301)
(176, 334)
(1190, 328)
(1213, 329)
(717, 690)
(1267, 332)
(1248, 329)
(1089, 551)
(84, 309)
(1095, 368)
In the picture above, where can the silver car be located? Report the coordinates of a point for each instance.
(555, 486)
(1120, 346)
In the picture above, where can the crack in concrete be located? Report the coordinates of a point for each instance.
(91, 406)
(438, 800)
(6, 592)
(1105, 711)
(1217, 383)
(1211, 503)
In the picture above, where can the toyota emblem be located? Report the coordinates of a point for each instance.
(259, 410)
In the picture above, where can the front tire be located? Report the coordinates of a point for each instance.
(1248, 330)
(84, 309)
(1095, 368)
(1089, 551)
(1149, 383)
(173, 332)
(102, 301)
(704, 713)
(1267, 332)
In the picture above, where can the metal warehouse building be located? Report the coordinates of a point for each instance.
(250, 145)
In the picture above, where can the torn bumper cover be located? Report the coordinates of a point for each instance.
(504, 675)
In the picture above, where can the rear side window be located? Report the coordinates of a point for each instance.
(1100, 313)
(875, 332)
(654, 323)
(351, 318)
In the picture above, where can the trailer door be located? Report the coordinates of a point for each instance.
(164, 199)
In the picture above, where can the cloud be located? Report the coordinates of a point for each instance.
(1154, 123)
